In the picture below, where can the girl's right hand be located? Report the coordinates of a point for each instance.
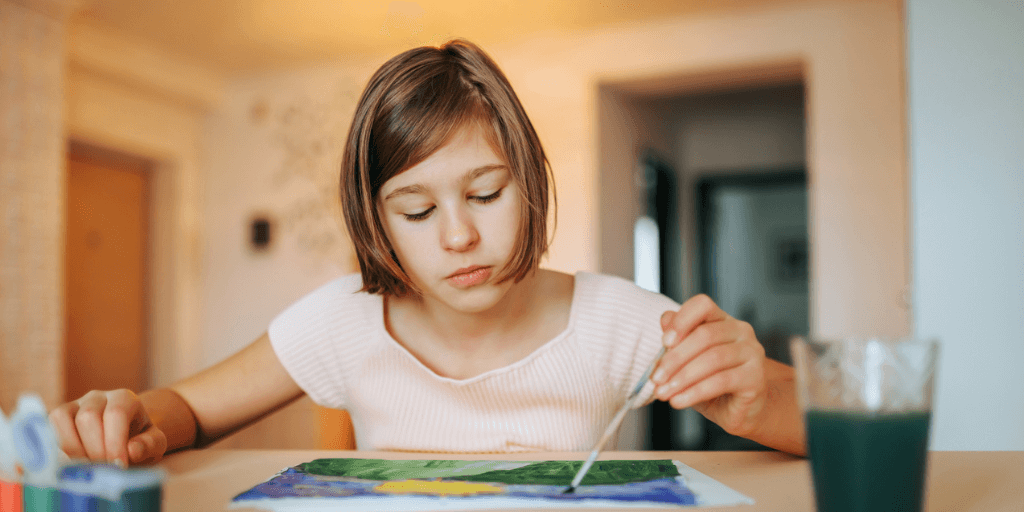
(109, 426)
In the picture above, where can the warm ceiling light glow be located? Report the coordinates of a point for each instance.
(251, 35)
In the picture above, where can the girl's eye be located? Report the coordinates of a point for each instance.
(418, 216)
(488, 198)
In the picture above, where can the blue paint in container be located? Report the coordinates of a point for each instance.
(107, 488)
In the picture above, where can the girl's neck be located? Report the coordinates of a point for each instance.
(461, 345)
(469, 332)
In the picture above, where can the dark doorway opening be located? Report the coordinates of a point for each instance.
(753, 260)
(662, 142)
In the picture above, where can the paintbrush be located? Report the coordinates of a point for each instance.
(614, 425)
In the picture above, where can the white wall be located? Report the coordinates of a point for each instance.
(965, 77)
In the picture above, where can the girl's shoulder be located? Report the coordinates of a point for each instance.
(343, 286)
(618, 325)
(339, 303)
(341, 291)
(614, 306)
(596, 289)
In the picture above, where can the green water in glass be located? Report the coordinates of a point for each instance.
(863, 462)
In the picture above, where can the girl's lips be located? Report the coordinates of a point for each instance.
(472, 278)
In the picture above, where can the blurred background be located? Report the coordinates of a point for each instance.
(168, 178)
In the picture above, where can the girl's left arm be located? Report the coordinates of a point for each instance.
(715, 364)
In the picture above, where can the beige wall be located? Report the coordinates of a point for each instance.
(125, 97)
(31, 206)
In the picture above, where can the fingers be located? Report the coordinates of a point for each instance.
(708, 363)
(699, 340)
(666, 319)
(737, 412)
(122, 418)
(697, 310)
(712, 387)
(148, 447)
(99, 425)
(89, 422)
(63, 420)
(714, 363)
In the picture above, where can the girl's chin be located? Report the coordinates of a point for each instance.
(474, 300)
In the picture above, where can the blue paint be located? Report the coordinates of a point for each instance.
(107, 488)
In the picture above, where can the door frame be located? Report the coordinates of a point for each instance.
(163, 293)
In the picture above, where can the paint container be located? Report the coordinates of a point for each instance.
(107, 488)
(11, 497)
(10, 487)
(37, 450)
(40, 499)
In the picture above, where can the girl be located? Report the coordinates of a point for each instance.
(451, 339)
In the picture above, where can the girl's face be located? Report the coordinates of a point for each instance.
(452, 220)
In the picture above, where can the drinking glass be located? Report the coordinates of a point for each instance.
(867, 406)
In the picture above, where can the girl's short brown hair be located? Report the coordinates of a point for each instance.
(411, 107)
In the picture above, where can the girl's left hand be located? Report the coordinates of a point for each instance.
(714, 364)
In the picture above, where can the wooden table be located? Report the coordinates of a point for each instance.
(206, 480)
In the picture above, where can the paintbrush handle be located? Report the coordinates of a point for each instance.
(608, 431)
(616, 420)
(647, 375)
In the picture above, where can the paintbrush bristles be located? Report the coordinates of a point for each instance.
(583, 470)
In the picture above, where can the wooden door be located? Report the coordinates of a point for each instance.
(106, 268)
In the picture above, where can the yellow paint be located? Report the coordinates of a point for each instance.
(437, 488)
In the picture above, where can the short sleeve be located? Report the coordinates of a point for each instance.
(654, 305)
(622, 323)
(313, 338)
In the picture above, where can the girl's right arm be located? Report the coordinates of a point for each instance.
(128, 428)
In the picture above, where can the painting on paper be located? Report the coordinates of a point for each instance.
(373, 484)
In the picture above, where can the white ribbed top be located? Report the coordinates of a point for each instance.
(559, 398)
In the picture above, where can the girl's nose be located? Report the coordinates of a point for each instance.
(460, 233)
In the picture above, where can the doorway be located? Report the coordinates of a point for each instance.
(729, 140)
(753, 262)
(753, 254)
(106, 270)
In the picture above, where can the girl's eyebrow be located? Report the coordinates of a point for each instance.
(408, 189)
(470, 176)
(480, 171)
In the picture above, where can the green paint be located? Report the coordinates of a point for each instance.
(380, 469)
(40, 499)
(868, 462)
(608, 472)
(138, 500)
